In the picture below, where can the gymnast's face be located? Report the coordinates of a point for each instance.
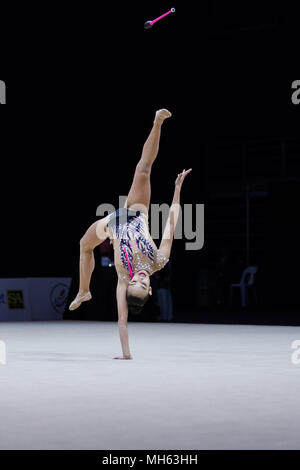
(139, 285)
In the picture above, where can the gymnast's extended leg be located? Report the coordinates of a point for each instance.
(93, 237)
(140, 190)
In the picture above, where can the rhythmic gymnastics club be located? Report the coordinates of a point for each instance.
(149, 24)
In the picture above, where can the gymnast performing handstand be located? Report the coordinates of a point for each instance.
(136, 256)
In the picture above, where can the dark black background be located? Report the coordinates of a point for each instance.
(83, 84)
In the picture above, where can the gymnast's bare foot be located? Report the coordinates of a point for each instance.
(161, 115)
(80, 297)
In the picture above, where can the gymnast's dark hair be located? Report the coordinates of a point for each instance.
(135, 304)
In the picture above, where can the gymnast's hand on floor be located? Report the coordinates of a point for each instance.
(124, 357)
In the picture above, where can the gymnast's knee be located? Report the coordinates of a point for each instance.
(85, 245)
(144, 168)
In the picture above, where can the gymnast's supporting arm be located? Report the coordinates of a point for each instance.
(168, 235)
(122, 319)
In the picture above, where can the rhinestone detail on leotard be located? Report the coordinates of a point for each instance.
(128, 230)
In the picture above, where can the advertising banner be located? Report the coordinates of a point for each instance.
(33, 298)
(14, 300)
(48, 297)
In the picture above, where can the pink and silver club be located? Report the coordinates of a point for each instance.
(149, 24)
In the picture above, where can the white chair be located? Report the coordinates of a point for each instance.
(247, 281)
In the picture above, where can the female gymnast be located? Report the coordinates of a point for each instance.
(136, 256)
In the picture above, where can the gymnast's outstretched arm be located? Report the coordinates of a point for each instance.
(122, 319)
(168, 235)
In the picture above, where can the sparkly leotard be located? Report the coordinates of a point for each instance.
(134, 248)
